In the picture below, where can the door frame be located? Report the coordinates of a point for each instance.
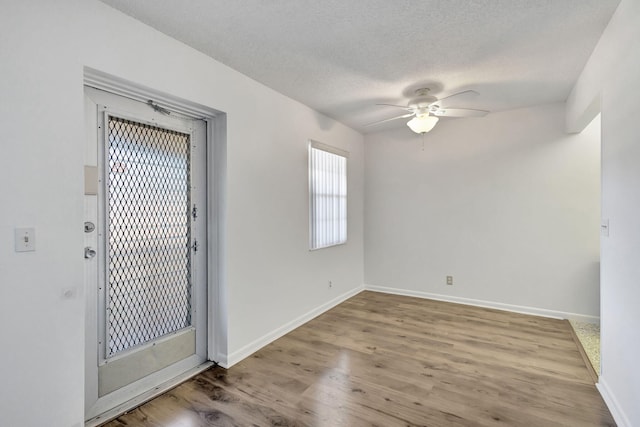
(215, 199)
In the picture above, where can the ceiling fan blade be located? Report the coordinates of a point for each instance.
(404, 116)
(459, 112)
(404, 107)
(464, 92)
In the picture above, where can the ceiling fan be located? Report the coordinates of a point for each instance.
(427, 109)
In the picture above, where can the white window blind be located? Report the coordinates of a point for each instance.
(328, 195)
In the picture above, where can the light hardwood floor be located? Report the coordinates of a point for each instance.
(386, 360)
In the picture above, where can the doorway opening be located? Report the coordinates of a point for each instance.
(587, 333)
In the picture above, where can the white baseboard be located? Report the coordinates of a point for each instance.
(256, 345)
(487, 304)
(612, 403)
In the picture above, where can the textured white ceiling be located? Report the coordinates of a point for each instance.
(341, 57)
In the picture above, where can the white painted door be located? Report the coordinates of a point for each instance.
(145, 247)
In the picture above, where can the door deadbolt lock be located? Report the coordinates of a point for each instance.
(89, 227)
(89, 252)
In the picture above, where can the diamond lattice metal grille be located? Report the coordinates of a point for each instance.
(149, 233)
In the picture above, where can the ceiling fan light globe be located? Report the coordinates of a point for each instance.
(422, 124)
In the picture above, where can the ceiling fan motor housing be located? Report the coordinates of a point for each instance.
(423, 105)
(422, 102)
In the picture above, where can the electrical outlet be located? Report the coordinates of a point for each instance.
(449, 280)
(330, 284)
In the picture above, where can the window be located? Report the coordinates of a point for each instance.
(328, 195)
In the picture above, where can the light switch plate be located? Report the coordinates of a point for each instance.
(25, 239)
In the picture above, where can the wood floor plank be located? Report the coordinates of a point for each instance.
(387, 360)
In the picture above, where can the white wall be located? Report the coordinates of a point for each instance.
(508, 204)
(612, 74)
(271, 277)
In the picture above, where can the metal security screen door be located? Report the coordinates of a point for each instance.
(146, 302)
(149, 248)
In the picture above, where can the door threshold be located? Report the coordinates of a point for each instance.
(127, 406)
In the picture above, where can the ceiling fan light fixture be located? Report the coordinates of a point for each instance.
(423, 123)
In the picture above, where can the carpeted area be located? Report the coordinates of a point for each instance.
(589, 336)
